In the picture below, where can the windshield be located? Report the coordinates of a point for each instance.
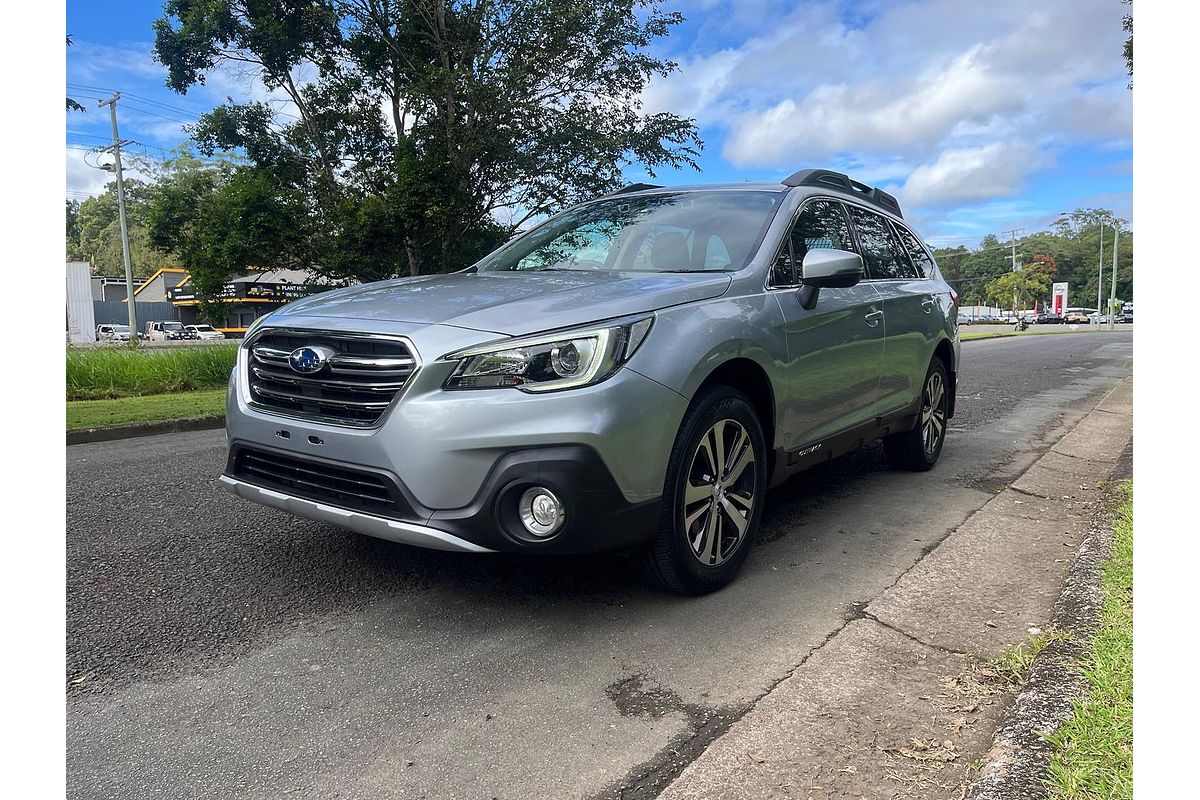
(172, 326)
(700, 231)
(121, 328)
(202, 328)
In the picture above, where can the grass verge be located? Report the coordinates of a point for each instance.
(105, 372)
(1006, 330)
(1093, 752)
(147, 408)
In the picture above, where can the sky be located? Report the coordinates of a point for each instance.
(981, 117)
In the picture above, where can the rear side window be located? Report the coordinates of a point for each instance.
(821, 225)
(916, 251)
(880, 249)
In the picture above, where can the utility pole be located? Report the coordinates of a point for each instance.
(1100, 278)
(1112, 293)
(116, 151)
(1016, 267)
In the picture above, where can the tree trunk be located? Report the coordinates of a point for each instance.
(413, 252)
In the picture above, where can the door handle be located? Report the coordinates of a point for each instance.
(928, 303)
(873, 316)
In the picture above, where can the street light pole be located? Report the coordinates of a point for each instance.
(1112, 293)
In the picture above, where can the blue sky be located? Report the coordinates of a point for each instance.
(979, 116)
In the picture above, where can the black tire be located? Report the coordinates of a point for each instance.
(708, 560)
(913, 450)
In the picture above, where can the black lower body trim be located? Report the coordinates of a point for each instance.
(598, 517)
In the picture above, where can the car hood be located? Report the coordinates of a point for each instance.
(512, 303)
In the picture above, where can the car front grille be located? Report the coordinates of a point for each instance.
(354, 387)
(319, 480)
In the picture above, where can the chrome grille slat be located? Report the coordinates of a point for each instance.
(321, 401)
(358, 386)
(362, 377)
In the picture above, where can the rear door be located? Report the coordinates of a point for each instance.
(904, 294)
(835, 350)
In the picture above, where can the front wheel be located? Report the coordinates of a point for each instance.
(919, 448)
(712, 501)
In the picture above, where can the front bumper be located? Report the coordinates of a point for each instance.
(597, 518)
(379, 527)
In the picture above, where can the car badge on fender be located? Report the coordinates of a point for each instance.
(307, 360)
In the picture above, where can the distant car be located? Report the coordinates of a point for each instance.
(1125, 319)
(1076, 318)
(1047, 318)
(964, 319)
(168, 330)
(112, 333)
(204, 332)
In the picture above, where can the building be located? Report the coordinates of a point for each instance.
(248, 296)
(106, 289)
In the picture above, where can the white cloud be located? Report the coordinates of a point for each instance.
(970, 174)
(948, 102)
(83, 179)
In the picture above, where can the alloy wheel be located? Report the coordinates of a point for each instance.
(718, 499)
(933, 412)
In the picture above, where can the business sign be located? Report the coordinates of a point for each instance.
(1060, 299)
(276, 292)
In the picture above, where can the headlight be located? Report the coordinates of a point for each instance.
(549, 362)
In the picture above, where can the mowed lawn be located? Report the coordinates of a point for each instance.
(147, 408)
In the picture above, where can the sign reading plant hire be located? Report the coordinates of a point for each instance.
(272, 292)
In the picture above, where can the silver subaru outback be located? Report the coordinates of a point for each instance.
(632, 374)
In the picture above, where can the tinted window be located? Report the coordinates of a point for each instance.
(669, 231)
(880, 250)
(821, 225)
(916, 252)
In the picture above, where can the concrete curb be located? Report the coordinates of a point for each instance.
(901, 697)
(1020, 755)
(130, 430)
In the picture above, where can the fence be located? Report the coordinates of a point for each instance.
(110, 312)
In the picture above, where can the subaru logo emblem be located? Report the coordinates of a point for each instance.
(307, 360)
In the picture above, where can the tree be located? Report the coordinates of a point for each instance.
(427, 122)
(73, 105)
(1021, 288)
(99, 232)
(74, 252)
(217, 219)
(1127, 26)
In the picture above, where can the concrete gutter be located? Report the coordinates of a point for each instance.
(900, 701)
(130, 430)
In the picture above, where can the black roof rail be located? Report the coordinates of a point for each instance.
(634, 187)
(844, 183)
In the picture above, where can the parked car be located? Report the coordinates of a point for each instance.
(205, 332)
(1125, 319)
(1076, 317)
(634, 374)
(168, 330)
(1048, 318)
(112, 333)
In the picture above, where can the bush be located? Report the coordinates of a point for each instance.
(100, 372)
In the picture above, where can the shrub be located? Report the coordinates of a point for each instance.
(100, 372)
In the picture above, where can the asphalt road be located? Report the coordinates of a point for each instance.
(217, 648)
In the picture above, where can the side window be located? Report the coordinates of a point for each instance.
(916, 251)
(821, 225)
(881, 251)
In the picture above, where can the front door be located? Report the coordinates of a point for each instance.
(835, 350)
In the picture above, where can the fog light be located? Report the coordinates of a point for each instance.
(541, 512)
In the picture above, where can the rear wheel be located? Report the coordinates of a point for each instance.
(712, 502)
(919, 448)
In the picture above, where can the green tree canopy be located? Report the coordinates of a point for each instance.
(421, 123)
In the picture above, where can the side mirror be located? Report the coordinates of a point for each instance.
(831, 269)
(826, 268)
